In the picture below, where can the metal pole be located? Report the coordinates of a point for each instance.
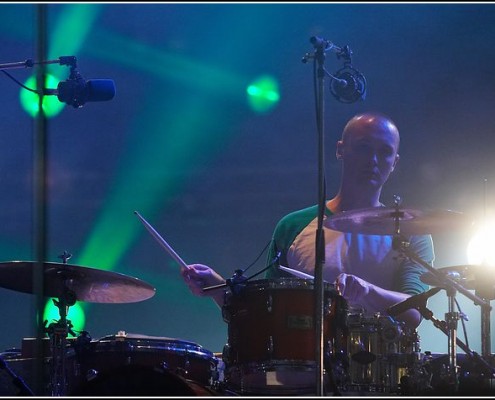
(451, 318)
(320, 234)
(39, 187)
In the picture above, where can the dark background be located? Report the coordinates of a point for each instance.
(180, 144)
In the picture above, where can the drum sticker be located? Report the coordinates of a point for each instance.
(299, 322)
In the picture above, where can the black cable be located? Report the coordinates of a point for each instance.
(19, 83)
(259, 256)
(462, 322)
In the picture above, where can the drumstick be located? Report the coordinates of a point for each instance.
(162, 241)
(297, 273)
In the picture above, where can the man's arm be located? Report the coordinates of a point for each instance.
(374, 298)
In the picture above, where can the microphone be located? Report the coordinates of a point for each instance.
(348, 85)
(76, 92)
(412, 302)
(321, 43)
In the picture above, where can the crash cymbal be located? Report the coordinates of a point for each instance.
(464, 274)
(87, 284)
(381, 221)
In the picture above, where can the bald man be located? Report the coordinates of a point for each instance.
(366, 269)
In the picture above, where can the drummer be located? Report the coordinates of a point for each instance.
(365, 269)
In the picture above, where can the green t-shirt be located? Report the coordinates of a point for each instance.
(370, 257)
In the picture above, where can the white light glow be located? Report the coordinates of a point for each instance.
(481, 248)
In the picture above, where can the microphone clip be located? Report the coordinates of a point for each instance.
(237, 282)
(348, 84)
(345, 52)
(73, 91)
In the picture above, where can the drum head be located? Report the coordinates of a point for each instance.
(136, 380)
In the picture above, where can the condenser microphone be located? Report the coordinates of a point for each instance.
(77, 92)
(348, 85)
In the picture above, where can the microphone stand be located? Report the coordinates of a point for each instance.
(321, 47)
(64, 60)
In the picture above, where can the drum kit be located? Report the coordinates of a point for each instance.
(271, 333)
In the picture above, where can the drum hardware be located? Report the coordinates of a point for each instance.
(399, 222)
(445, 375)
(382, 351)
(451, 286)
(109, 362)
(68, 284)
(474, 277)
(17, 380)
(451, 316)
(271, 336)
(238, 280)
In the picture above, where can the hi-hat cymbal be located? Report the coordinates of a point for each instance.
(87, 284)
(470, 276)
(382, 221)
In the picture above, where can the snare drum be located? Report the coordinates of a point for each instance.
(271, 335)
(111, 358)
(380, 350)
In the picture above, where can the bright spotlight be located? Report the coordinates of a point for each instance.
(481, 247)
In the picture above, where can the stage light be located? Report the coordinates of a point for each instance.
(263, 94)
(75, 315)
(481, 247)
(29, 100)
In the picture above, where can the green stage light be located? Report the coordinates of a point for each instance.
(75, 315)
(263, 94)
(29, 100)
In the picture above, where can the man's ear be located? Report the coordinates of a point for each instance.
(397, 158)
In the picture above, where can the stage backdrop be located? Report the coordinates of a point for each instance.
(211, 136)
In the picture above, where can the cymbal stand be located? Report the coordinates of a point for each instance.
(442, 325)
(451, 286)
(451, 318)
(485, 288)
(58, 332)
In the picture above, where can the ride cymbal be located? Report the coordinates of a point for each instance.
(383, 221)
(87, 284)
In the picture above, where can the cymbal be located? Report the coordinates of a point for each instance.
(87, 284)
(381, 221)
(464, 274)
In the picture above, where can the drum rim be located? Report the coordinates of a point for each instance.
(134, 344)
(284, 283)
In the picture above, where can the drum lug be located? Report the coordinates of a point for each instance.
(328, 307)
(226, 354)
(91, 374)
(270, 346)
(269, 303)
(226, 315)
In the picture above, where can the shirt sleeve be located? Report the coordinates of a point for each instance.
(409, 272)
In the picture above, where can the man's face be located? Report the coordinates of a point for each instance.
(369, 153)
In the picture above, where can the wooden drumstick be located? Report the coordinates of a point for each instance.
(162, 241)
(297, 273)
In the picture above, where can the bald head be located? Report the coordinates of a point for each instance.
(370, 123)
(369, 153)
